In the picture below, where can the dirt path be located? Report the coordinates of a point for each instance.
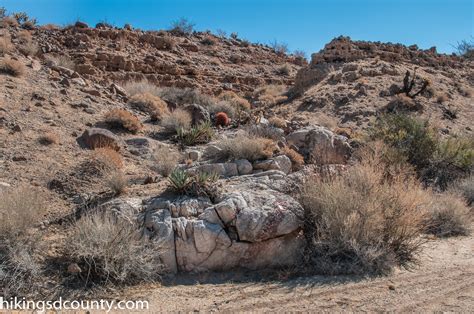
(444, 282)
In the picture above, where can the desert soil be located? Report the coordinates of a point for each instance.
(444, 281)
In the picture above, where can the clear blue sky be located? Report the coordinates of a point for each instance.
(302, 24)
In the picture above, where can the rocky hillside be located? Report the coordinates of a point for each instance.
(348, 83)
(203, 145)
(200, 60)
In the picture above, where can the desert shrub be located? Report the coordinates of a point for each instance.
(277, 122)
(151, 104)
(12, 67)
(271, 94)
(49, 138)
(182, 27)
(208, 41)
(109, 159)
(412, 137)
(299, 54)
(8, 21)
(222, 119)
(199, 134)
(449, 216)
(186, 96)
(244, 147)
(402, 103)
(239, 103)
(465, 48)
(452, 159)
(360, 222)
(165, 160)
(60, 60)
(50, 27)
(297, 160)
(279, 48)
(223, 106)
(116, 181)
(193, 184)
(28, 49)
(108, 247)
(140, 87)
(437, 162)
(234, 35)
(20, 209)
(284, 70)
(5, 44)
(465, 187)
(177, 119)
(123, 119)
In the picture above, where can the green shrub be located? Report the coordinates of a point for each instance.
(437, 161)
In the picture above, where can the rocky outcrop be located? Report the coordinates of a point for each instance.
(320, 145)
(251, 225)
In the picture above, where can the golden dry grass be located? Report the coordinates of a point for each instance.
(123, 119)
(244, 147)
(12, 67)
(178, 119)
(151, 104)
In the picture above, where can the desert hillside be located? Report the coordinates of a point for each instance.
(134, 158)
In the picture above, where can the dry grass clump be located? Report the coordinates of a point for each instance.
(50, 27)
(60, 60)
(5, 44)
(28, 49)
(20, 210)
(177, 119)
(442, 98)
(49, 138)
(449, 216)
(116, 181)
(297, 160)
(12, 67)
(362, 222)
(284, 69)
(108, 248)
(123, 119)
(223, 106)
(151, 104)
(271, 94)
(111, 159)
(244, 147)
(235, 100)
(8, 21)
(140, 87)
(465, 187)
(277, 122)
(166, 160)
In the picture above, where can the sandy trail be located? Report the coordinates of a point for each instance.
(443, 282)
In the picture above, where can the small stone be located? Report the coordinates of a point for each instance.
(244, 166)
(73, 268)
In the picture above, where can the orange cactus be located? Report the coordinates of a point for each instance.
(222, 119)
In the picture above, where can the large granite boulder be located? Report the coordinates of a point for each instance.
(321, 145)
(251, 225)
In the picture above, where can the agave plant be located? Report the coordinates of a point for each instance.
(199, 134)
(179, 180)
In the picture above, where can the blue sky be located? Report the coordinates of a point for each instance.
(302, 24)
